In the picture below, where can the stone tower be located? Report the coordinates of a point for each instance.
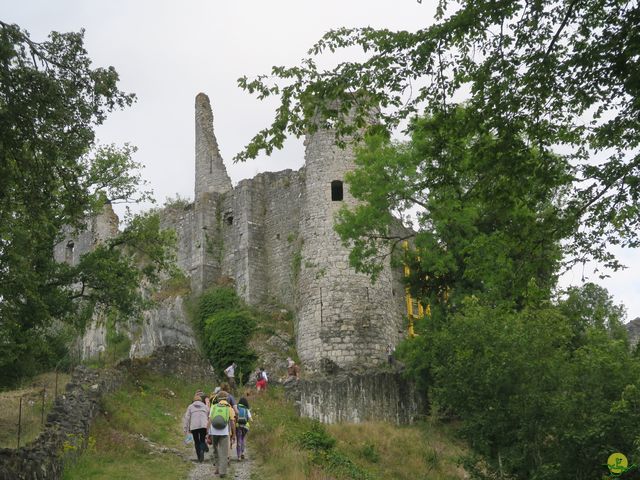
(211, 174)
(212, 182)
(343, 318)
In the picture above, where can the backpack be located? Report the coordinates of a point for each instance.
(243, 414)
(219, 415)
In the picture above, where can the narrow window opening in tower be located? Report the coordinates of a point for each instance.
(68, 254)
(211, 165)
(228, 219)
(336, 191)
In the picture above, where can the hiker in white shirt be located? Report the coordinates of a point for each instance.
(230, 372)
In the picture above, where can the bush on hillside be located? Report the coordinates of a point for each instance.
(225, 325)
(533, 390)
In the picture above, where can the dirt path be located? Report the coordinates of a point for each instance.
(238, 470)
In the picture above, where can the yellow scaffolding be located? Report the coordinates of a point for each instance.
(415, 309)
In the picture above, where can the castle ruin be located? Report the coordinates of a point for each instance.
(273, 236)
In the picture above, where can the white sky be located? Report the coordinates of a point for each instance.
(168, 51)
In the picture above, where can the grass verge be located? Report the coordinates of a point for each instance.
(151, 406)
(293, 448)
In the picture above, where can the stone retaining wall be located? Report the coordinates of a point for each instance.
(359, 397)
(66, 430)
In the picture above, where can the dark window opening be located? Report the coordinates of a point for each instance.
(68, 254)
(336, 191)
(228, 219)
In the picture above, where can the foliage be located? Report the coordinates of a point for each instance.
(522, 158)
(118, 342)
(317, 439)
(560, 75)
(481, 229)
(530, 396)
(225, 325)
(369, 453)
(53, 178)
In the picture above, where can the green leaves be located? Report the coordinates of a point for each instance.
(528, 396)
(225, 325)
(53, 179)
(562, 75)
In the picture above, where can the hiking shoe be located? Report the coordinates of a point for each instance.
(242, 456)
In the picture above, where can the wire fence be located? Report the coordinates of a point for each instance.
(23, 412)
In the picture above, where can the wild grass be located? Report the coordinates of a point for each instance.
(292, 448)
(151, 406)
(31, 394)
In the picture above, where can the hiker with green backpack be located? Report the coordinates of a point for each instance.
(242, 426)
(221, 429)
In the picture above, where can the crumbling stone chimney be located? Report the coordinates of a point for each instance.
(211, 174)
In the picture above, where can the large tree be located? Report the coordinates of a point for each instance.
(53, 178)
(524, 126)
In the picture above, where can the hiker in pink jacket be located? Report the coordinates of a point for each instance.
(195, 420)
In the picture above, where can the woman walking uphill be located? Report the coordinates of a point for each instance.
(195, 420)
(242, 426)
(222, 430)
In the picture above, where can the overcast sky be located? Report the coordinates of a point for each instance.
(168, 51)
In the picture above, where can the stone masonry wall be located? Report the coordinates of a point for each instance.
(356, 398)
(342, 316)
(66, 430)
(99, 229)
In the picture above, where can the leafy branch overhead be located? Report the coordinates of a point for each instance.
(562, 76)
(53, 179)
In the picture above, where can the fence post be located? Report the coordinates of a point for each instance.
(44, 390)
(19, 421)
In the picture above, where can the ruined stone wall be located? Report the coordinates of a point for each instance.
(273, 236)
(99, 229)
(211, 175)
(66, 430)
(356, 398)
(196, 229)
(243, 220)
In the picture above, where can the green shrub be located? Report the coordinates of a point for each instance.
(317, 439)
(214, 301)
(370, 453)
(225, 325)
(226, 337)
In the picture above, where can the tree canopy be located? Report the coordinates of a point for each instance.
(562, 76)
(53, 178)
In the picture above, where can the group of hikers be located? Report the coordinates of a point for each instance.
(218, 420)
